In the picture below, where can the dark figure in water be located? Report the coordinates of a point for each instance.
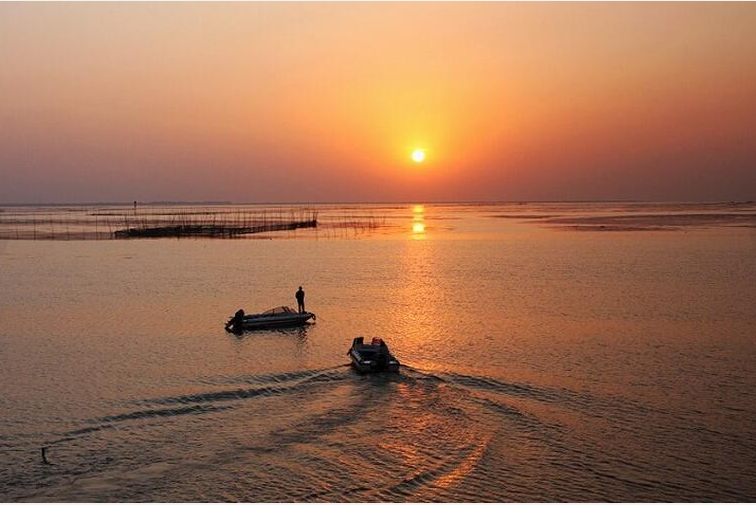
(300, 300)
(236, 321)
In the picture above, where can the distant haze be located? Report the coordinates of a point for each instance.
(326, 102)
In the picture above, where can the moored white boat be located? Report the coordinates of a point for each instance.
(277, 317)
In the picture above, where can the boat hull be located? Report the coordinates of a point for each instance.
(266, 322)
(372, 366)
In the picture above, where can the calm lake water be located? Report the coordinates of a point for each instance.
(552, 352)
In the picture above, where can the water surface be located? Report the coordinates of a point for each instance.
(546, 358)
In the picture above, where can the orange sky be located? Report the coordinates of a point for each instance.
(326, 101)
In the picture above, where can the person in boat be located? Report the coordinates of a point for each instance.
(300, 299)
(236, 321)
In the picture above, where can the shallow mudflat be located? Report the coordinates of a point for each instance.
(639, 216)
(640, 222)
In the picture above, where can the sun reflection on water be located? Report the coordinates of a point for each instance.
(418, 221)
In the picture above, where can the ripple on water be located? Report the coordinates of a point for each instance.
(414, 436)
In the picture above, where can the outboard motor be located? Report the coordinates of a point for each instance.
(383, 354)
(382, 361)
(236, 323)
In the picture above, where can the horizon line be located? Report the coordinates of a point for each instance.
(342, 202)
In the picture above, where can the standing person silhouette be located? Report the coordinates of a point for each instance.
(300, 300)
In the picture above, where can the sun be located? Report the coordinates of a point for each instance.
(418, 155)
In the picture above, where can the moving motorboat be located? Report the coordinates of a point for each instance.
(278, 317)
(372, 357)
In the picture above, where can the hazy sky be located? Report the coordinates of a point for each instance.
(325, 101)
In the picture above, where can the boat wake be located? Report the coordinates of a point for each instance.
(329, 434)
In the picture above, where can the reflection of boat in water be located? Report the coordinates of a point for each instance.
(372, 357)
(278, 317)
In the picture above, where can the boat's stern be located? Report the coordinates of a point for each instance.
(393, 365)
(368, 358)
(359, 363)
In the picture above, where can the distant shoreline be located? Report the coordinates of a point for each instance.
(113, 204)
(439, 202)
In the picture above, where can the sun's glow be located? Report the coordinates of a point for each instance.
(418, 155)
